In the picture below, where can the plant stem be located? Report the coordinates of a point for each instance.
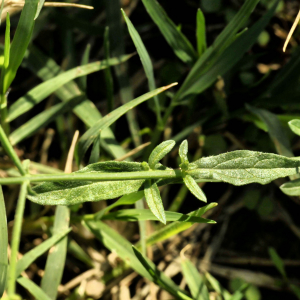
(16, 236)
(10, 150)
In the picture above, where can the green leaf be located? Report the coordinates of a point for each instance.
(40, 6)
(43, 90)
(194, 188)
(159, 152)
(277, 261)
(3, 244)
(33, 289)
(183, 150)
(154, 200)
(112, 166)
(291, 188)
(178, 42)
(176, 227)
(95, 153)
(194, 280)
(275, 129)
(70, 193)
(200, 33)
(220, 58)
(21, 40)
(36, 252)
(156, 274)
(87, 139)
(124, 200)
(6, 53)
(295, 126)
(82, 81)
(145, 59)
(145, 214)
(115, 242)
(43, 119)
(243, 167)
(217, 286)
(46, 68)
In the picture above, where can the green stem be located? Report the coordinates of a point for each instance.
(10, 151)
(168, 174)
(16, 236)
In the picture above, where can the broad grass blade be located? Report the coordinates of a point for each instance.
(88, 138)
(21, 40)
(3, 244)
(178, 42)
(33, 254)
(115, 242)
(145, 59)
(154, 200)
(43, 90)
(43, 119)
(33, 289)
(57, 256)
(276, 132)
(46, 68)
(200, 33)
(194, 280)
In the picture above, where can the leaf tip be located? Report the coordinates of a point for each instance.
(170, 85)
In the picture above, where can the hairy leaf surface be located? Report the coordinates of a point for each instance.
(244, 167)
(159, 152)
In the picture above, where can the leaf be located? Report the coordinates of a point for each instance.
(146, 214)
(6, 53)
(43, 119)
(295, 126)
(39, 8)
(87, 139)
(277, 261)
(20, 41)
(124, 200)
(220, 58)
(291, 188)
(243, 167)
(194, 188)
(112, 166)
(43, 90)
(154, 200)
(70, 193)
(159, 152)
(82, 81)
(46, 68)
(145, 59)
(33, 289)
(194, 280)
(200, 33)
(275, 129)
(3, 244)
(115, 242)
(176, 227)
(36, 252)
(156, 274)
(217, 286)
(178, 42)
(95, 153)
(183, 150)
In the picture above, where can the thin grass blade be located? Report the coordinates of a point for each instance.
(200, 33)
(82, 81)
(33, 289)
(39, 8)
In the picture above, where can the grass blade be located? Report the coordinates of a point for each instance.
(279, 264)
(178, 42)
(33, 289)
(43, 119)
(3, 244)
(39, 8)
(46, 68)
(82, 81)
(146, 61)
(154, 200)
(275, 130)
(33, 254)
(87, 139)
(43, 90)
(200, 33)
(16, 237)
(20, 41)
(194, 280)
(115, 242)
